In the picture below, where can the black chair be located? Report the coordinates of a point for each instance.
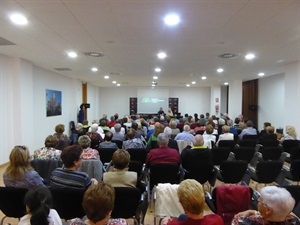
(266, 172)
(119, 143)
(62, 144)
(130, 203)
(247, 143)
(227, 143)
(138, 154)
(200, 132)
(293, 173)
(45, 168)
(271, 153)
(137, 167)
(202, 172)
(244, 153)
(220, 154)
(295, 192)
(232, 171)
(228, 200)
(106, 154)
(164, 173)
(294, 154)
(269, 143)
(68, 202)
(250, 137)
(12, 202)
(287, 145)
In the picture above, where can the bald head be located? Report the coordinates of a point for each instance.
(198, 140)
(186, 128)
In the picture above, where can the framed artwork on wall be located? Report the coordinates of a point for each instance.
(53, 102)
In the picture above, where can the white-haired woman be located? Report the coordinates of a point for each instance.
(290, 134)
(274, 207)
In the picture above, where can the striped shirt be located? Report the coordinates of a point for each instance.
(62, 178)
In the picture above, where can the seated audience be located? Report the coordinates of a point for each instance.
(163, 154)
(132, 141)
(172, 143)
(197, 153)
(119, 176)
(103, 125)
(63, 139)
(290, 134)
(152, 141)
(98, 203)
(99, 130)
(19, 173)
(88, 153)
(173, 126)
(200, 125)
(274, 207)
(118, 131)
(107, 141)
(208, 135)
(48, 152)
(264, 130)
(233, 129)
(86, 126)
(95, 137)
(191, 197)
(226, 135)
(185, 135)
(268, 136)
(69, 177)
(112, 122)
(38, 202)
(249, 130)
(80, 130)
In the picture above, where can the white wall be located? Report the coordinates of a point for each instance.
(23, 104)
(270, 99)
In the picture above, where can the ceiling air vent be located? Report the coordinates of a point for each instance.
(115, 73)
(94, 54)
(228, 55)
(62, 69)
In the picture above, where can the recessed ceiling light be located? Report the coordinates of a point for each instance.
(220, 70)
(114, 82)
(72, 54)
(193, 82)
(18, 19)
(226, 83)
(261, 74)
(161, 55)
(118, 85)
(203, 78)
(153, 85)
(249, 56)
(280, 61)
(171, 19)
(106, 77)
(188, 85)
(94, 69)
(155, 77)
(157, 70)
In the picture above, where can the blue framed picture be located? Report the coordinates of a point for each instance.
(53, 102)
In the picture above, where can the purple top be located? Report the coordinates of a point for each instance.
(31, 179)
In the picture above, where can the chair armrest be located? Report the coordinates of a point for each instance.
(210, 202)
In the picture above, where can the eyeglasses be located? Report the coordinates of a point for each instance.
(263, 204)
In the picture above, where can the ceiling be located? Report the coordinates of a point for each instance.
(130, 33)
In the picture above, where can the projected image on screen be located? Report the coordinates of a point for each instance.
(152, 104)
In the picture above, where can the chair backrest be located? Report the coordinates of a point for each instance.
(45, 168)
(119, 143)
(289, 144)
(227, 143)
(233, 171)
(229, 200)
(202, 172)
(164, 173)
(247, 142)
(106, 154)
(268, 171)
(220, 154)
(244, 153)
(12, 202)
(269, 143)
(271, 153)
(138, 154)
(200, 132)
(127, 200)
(93, 167)
(295, 170)
(136, 166)
(250, 137)
(295, 153)
(68, 202)
(295, 192)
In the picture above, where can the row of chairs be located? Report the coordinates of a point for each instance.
(129, 203)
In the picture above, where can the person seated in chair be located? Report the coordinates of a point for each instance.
(132, 141)
(118, 175)
(226, 135)
(59, 132)
(274, 207)
(268, 136)
(249, 130)
(38, 202)
(19, 173)
(95, 137)
(69, 177)
(48, 152)
(291, 134)
(118, 132)
(88, 152)
(107, 141)
(163, 154)
(191, 197)
(198, 152)
(98, 203)
(185, 135)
